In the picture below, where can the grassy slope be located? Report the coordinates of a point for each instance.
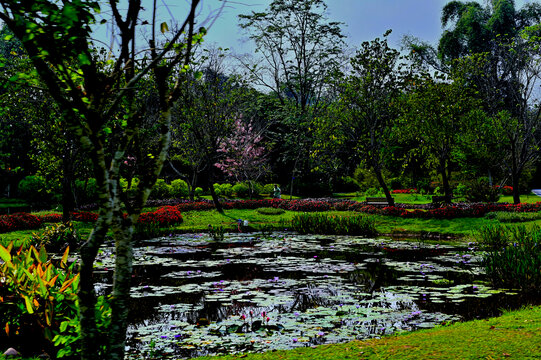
(515, 335)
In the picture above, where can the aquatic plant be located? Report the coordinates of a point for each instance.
(216, 233)
(512, 256)
(502, 216)
(317, 223)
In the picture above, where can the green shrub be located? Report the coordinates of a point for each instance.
(56, 237)
(226, 189)
(242, 190)
(41, 295)
(257, 188)
(217, 190)
(34, 190)
(198, 192)
(481, 191)
(161, 190)
(372, 192)
(179, 188)
(132, 189)
(512, 256)
(460, 190)
(268, 189)
(321, 223)
(270, 211)
(366, 178)
(86, 191)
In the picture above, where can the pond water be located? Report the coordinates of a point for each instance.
(253, 292)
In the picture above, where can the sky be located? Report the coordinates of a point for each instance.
(363, 20)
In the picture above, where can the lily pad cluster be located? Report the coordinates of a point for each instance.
(251, 292)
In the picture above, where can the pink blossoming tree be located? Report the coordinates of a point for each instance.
(244, 158)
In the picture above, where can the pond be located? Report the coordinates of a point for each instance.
(253, 292)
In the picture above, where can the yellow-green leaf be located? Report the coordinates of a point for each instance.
(64, 259)
(28, 304)
(164, 27)
(4, 254)
(42, 254)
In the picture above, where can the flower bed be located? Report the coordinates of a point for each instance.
(19, 221)
(50, 218)
(166, 215)
(84, 216)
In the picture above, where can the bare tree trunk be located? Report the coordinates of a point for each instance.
(123, 233)
(515, 174)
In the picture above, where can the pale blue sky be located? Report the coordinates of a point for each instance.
(364, 20)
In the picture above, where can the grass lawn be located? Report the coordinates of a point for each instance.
(525, 198)
(199, 221)
(514, 335)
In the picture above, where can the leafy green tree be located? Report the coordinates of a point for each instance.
(57, 39)
(54, 155)
(17, 107)
(299, 48)
(501, 45)
(204, 118)
(435, 113)
(369, 96)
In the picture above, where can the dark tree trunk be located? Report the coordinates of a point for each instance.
(120, 303)
(213, 193)
(68, 199)
(515, 175)
(445, 181)
(516, 190)
(383, 185)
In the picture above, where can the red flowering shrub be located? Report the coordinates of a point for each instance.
(19, 221)
(165, 215)
(394, 211)
(84, 216)
(51, 218)
(506, 190)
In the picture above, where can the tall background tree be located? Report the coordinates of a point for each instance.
(370, 96)
(503, 68)
(99, 104)
(299, 48)
(205, 116)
